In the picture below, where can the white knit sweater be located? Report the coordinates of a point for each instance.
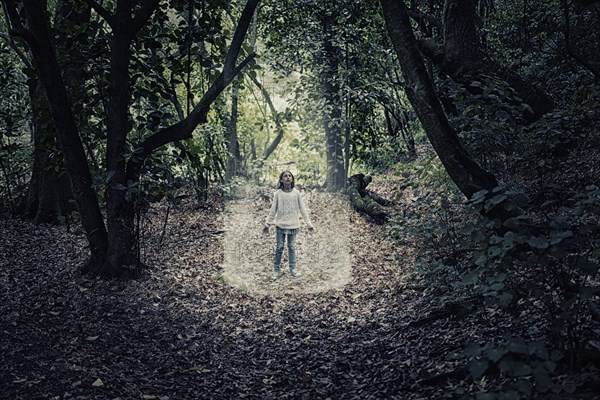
(286, 210)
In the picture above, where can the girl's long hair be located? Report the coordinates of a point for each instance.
(281, 177)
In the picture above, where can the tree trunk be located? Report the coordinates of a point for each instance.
(582, 61)
(38, 39)
(234, 157)
(332, 112)
(466, 61)
(468, 176)
(49, 191)
(121, 260)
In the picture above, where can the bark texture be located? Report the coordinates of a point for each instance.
(332, 112)
(46, 63)
(49, 191)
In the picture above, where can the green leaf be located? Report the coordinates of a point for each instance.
(471, 277)
(538, 243)
(472, 350)
(494, 251)
(587, 266)
(518, 346)
(524, 386)
(497, 199)
(495, 354)
(542, 380)
(478, 367)
(521, 369)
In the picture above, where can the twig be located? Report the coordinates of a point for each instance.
(164, 229)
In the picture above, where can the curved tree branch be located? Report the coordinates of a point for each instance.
(24, 59)
(16, 28)
(269, 150)
(183, 129)
(463, 59)
(418, 16)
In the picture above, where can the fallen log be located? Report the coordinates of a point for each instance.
(364, 200)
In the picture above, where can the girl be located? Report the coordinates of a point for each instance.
(285, 212)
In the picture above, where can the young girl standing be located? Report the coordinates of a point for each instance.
(285, 212)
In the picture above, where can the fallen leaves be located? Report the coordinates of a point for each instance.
(181, 332)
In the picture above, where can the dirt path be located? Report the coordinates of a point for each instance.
(323, 256)
(179, 332)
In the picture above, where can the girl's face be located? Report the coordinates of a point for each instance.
(287, 180)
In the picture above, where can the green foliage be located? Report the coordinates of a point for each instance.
(542, 268)
(352, 56)
(430, 221)
(530, 38)
(165, 84)
(528, 367)
(562, 128)
(14, 146)
(489, 122)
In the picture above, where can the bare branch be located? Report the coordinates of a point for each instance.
(103, 12)
(22, 56)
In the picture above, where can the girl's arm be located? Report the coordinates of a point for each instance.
(273, 210)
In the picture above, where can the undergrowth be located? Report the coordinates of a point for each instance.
(538, 269)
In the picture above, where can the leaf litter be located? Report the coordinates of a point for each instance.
(187, 329)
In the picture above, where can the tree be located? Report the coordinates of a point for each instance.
(270, 148)
(49, 192)
(468, 176)
(13, 127)
(309, 37)
(462, 56)
(113, 246)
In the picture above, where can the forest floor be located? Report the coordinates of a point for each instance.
(353, 326)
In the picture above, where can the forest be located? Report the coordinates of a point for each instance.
(448, 152)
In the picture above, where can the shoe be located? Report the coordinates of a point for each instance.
(295, 273)
(276, 275)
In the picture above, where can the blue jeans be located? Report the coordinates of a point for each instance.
(280, 235)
